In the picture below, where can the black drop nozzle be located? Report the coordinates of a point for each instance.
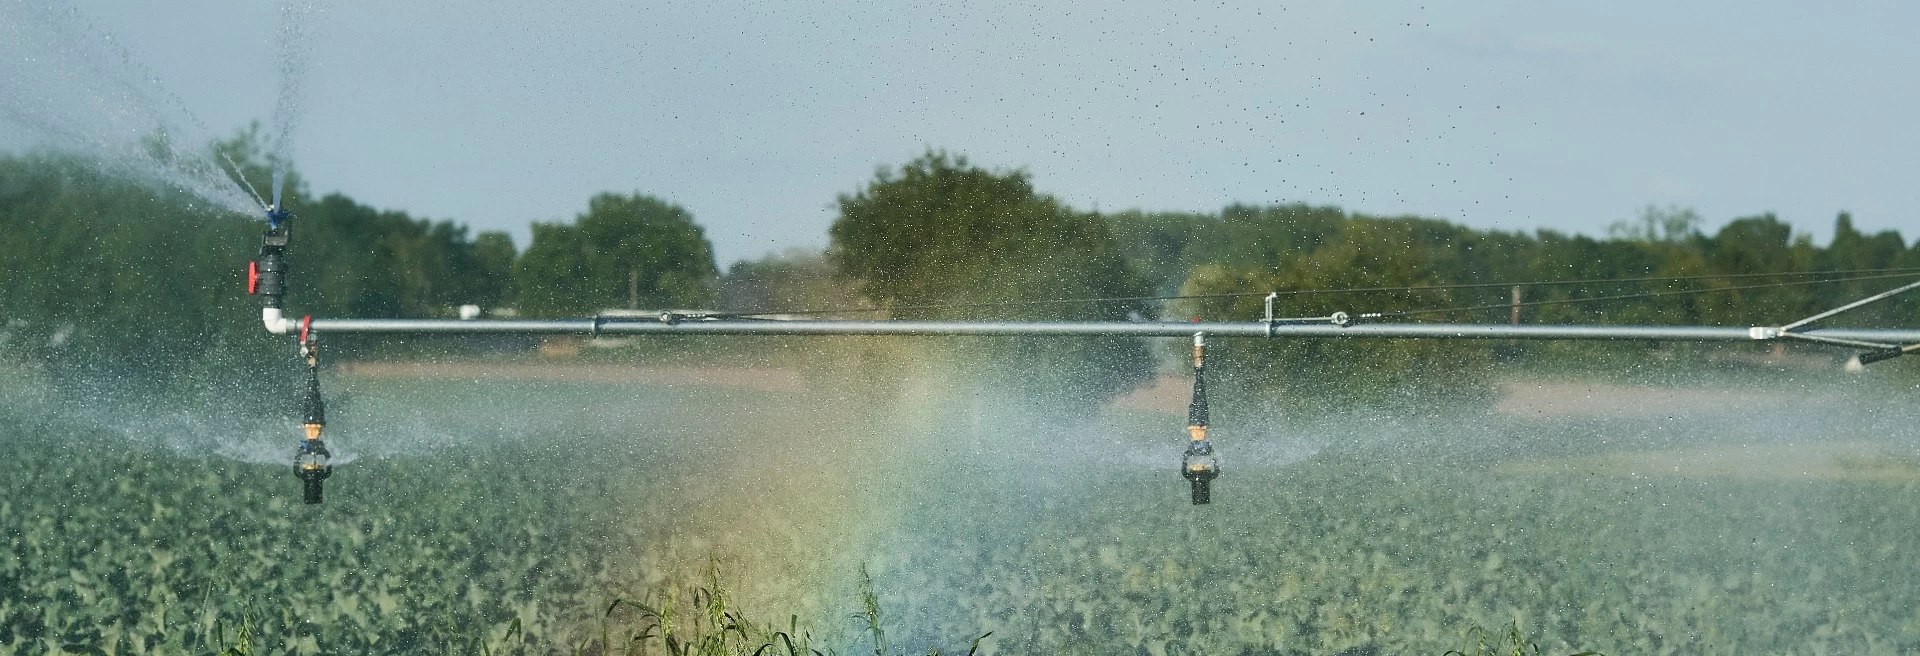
(1877, 355)
(1202, 482)
(1202, 491)
(1200, 466)
(312, 493)
(312, 465)
(310, 482)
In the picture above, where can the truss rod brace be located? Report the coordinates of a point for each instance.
(1870, 299)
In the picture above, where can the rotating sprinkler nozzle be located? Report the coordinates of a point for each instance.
(1199, 465)
(312, 463)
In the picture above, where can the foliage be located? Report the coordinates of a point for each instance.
(103, 280)
(939, 235)
(1672, 225)
(1387, 540)
(1511, 643)
(624, 251)
(792, 280)
(941, 231)
(1165, 246)
(353, 260)
(1399, 532)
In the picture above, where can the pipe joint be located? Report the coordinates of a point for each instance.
(275, 322)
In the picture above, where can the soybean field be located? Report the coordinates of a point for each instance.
(507, 514)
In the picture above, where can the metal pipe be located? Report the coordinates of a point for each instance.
(603, 326)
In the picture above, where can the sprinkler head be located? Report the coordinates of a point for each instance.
(1200, 466)
(312, 464)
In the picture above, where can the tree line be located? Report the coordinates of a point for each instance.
(101, 272)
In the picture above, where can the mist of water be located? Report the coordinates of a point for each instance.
(292, 67)
(74, 87)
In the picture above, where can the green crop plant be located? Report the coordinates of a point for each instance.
(570, 536)
(1513, 642)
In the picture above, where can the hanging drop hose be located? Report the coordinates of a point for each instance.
(1199, 465)
(311, 460)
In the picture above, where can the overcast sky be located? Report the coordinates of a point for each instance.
(755, 115)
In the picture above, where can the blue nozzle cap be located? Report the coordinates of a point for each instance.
(276, 215)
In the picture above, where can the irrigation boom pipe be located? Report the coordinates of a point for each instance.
(625, 326)
(267, 278)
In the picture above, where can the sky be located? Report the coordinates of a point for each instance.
(755, 116)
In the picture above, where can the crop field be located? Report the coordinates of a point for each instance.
(506, 516)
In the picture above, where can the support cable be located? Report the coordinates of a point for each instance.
(1302, 292)
(1620, 297)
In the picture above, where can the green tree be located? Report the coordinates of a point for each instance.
(1760, 244)
(942, 231)
(487, 269)
(792, 280)
(625, 250)
(1671, 224)
(1853, 250)
(939, 232)
(117, 288)
(1163, 247)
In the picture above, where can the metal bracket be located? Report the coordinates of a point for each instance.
(1340, 319)
(1269, 316)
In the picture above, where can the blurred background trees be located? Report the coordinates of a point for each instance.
(938, 237)
(102, 274)
(625, 251)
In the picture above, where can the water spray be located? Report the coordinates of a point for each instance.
(1199, 465)
(279, 184)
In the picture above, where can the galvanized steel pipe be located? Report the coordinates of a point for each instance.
(624, 326)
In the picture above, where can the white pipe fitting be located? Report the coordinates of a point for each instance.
(275, 323)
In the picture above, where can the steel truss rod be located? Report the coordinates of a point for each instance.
(1870, 299)
(604, 326)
